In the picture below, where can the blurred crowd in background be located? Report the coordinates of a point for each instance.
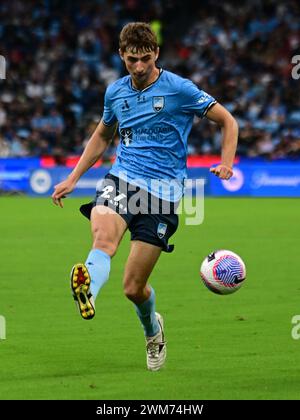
(62, 54)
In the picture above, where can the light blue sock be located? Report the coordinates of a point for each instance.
(146, 313)
(98, 264)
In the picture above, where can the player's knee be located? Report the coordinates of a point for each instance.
(104, 242)
(133, 291)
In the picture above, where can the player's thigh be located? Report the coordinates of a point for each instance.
(140, 263)
(108, 228)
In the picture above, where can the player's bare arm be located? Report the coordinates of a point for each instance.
(229, 126)
(94, 149)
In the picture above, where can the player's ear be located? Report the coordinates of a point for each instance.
(121, 54)
(156, 53)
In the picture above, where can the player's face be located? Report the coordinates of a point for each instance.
(141, 67)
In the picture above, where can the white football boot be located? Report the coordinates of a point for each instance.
(156, 349)
(80, 285)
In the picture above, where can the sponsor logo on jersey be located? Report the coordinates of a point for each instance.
(203, 98)
(126, 136)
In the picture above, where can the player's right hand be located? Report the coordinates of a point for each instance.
(61, 190)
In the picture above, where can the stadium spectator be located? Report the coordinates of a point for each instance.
(61, 55)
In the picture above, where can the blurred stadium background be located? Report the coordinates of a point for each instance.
(60, 56)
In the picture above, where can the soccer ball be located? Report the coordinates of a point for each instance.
(223, 272)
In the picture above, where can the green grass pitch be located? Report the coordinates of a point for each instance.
(219, 347)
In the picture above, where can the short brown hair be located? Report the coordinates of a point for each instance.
(136, 37)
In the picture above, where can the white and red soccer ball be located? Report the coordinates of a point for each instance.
(223, 272)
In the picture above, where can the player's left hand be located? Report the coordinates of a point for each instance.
(222, 171)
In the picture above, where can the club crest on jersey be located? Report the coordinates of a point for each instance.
(158, 102)
(161, 230)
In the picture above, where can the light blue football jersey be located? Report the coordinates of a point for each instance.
(154, 124)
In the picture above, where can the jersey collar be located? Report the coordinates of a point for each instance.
(147, 87)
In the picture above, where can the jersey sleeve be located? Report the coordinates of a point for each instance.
(194, 100)
(108, 117)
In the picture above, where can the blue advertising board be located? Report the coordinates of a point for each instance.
(42, 181)
(254, 179)
(15, 172)
(260, 180)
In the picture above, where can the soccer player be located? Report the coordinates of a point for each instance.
(153, 110)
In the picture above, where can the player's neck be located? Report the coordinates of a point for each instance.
(152, 78)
